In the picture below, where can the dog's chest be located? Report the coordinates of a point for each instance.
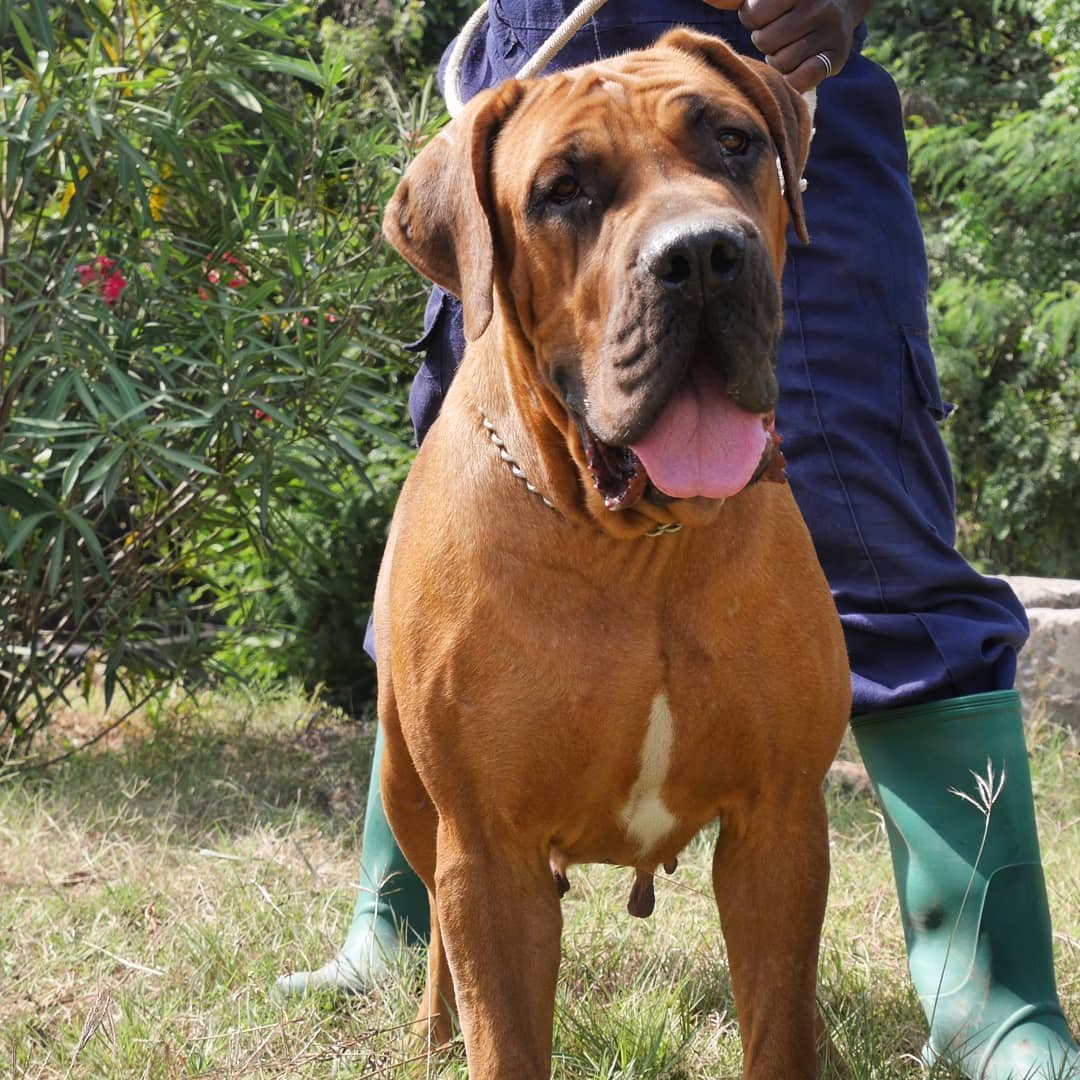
(645, 816)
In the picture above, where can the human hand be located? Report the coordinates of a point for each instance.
(794, 35)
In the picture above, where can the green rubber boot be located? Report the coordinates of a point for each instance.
(953, 781)
(391, 909)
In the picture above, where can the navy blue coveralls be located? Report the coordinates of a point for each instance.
(860, 402)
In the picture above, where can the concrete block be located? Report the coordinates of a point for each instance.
(1049, 665)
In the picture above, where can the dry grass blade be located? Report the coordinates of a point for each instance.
(426, 1056)
(131, 965)
(96, 1018)
(988, 792)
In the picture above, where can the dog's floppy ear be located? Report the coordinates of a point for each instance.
(439, 217)
(783, 108)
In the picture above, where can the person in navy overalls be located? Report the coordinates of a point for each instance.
(932, 643)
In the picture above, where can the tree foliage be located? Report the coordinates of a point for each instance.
(992, 92)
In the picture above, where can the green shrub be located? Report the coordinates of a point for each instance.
(993, 92)
(197, 319)
(323, 599)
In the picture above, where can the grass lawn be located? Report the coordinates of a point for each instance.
(151, 889)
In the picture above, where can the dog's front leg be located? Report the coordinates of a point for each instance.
(500, 922)
(770, 875)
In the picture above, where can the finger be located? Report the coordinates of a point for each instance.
(785, 30)
(791, 57)
(725, 5)
(810, 73)
(757, 13)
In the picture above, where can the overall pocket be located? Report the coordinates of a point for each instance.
(924, 460)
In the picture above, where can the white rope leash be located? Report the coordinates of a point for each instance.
(452, 87)
(560, 36)
(533, 66)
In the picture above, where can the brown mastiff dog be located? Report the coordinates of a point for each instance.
(599, 626)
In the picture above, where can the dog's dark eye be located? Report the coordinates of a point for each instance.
(564, 190)
(733, 142)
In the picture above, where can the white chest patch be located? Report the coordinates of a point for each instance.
(646, 817)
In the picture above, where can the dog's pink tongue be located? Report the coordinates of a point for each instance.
(703, 444)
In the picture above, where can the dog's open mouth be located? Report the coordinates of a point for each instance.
(702, 445)
(617, 471)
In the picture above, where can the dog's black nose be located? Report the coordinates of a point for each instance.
(696, 261)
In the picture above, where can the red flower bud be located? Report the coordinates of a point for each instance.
(103, 273)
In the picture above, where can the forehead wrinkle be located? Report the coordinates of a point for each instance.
(648, 76)
(561, 122)
(633, 71)
(574, 113)
(606, 85)
(610, 94)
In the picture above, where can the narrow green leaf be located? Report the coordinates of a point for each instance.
(188, 461)
(94, 117)
(78, 459)
(125, 387)
(112, 665)
(21, 498)
(56, 560)
(75, 582)
(23, 531)
(22, 34)
(101, 476)
(83, 393)
(89, 538)
(264, 494)
(287, 65)
(41, 27)
(240, 94)
(39, 424)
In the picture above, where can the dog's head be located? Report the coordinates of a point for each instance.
(628, 217)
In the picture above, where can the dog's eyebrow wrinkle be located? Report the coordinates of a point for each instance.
(584, 81)
(615, 89)
(581, 81)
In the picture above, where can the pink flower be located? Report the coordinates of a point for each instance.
(306, 321)
(103, 274)
(239, 275)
